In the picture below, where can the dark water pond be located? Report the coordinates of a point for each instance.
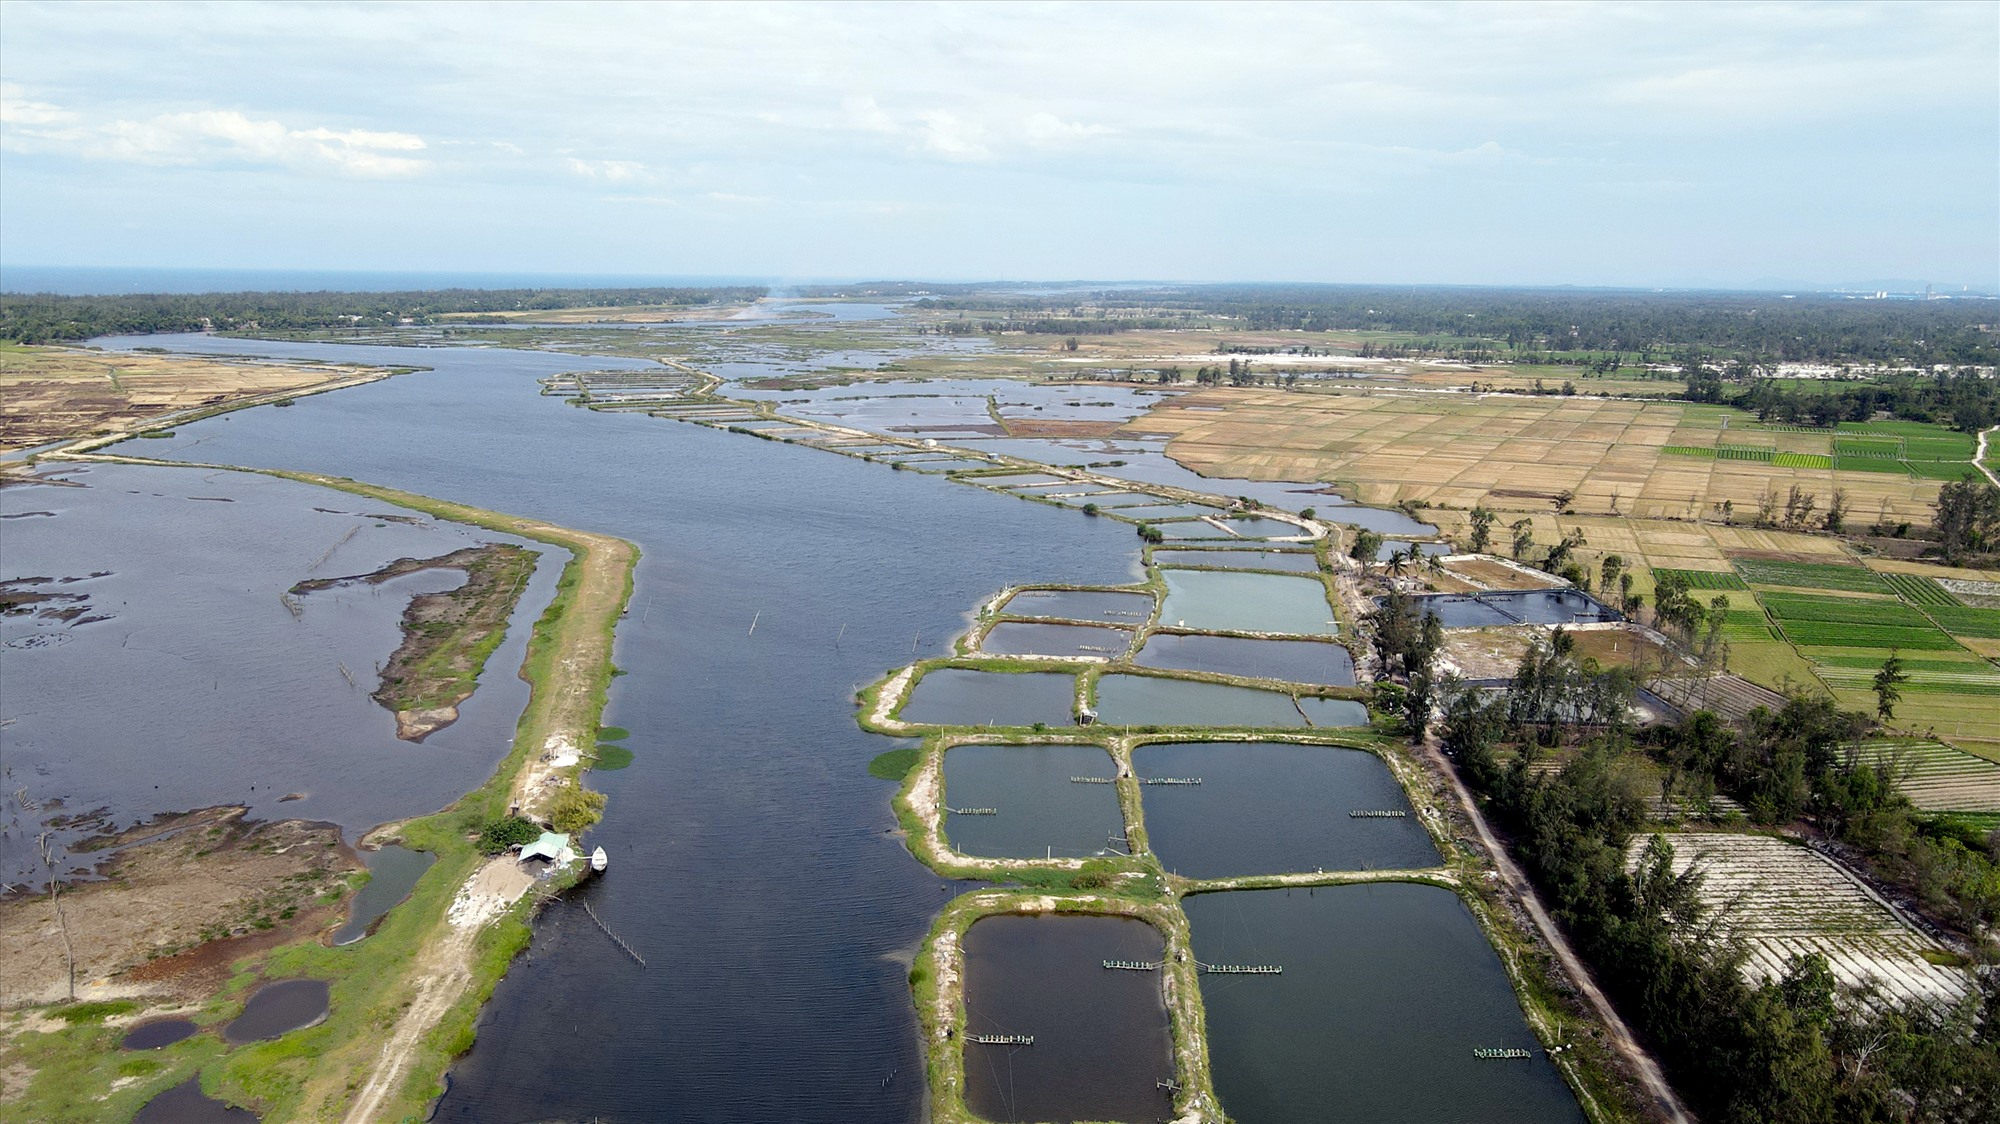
(186, 1104)
(393, 872)
(1101, 1041)
(1297, 797)
(1038, 809)
(1386, 992)
(1294, 661)
(763, 849)
(1149, 700)
(962, 697)
(192, 681)
(157, 1033)
(1024, 638)
(1081, 604)
(278, 1009)
(1299, 562)
(1545, 606)
(1240, 602)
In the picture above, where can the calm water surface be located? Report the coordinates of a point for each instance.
(1386, 992)
(1039, 810)
(1294, 661)
(1240, 602)
(959, 697)
(750, 848)
(1101, 1042)
(1152, 700)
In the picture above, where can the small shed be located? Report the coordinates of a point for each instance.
(553, 846)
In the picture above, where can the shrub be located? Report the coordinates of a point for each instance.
(503, 832)
(576, 808)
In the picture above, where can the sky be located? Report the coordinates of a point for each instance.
(1739, 145)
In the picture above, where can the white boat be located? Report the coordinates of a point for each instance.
(599, 860)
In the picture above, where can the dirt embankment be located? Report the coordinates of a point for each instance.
(184, 897)
(446, 636)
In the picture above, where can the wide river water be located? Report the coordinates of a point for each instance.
(754, 862)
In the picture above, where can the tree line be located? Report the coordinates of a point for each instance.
(51, 317)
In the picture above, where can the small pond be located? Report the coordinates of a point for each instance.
(1111, 606)
(1299, 796)
(1386, 992)
(1101, 1042)
(186, 1104)
(1037, 808)
(1238, 529)
(1026, 638)
(1294, 661)
(392, 873)
(1147, 700)
(157, 1033)
(278, 1009)
(1295, 561)
(1541, 606)
(964, 697)
(1241, 602)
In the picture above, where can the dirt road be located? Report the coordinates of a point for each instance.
(1666, 1103)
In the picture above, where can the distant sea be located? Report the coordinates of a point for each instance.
(76, 281)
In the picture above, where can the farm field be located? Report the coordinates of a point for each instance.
(49, 393)
(1512, 453)
(1938, 778)
(1783, 900)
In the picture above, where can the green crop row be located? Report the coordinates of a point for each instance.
(1919, 590)
(1841, 634)
(1809, 575)
(1702, 579)
(1961, 621)
(1687, 451)
(1802, 460)
(1842, 610)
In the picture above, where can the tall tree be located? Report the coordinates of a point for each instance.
(1889, 686)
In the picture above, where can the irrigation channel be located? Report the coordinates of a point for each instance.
(775, 581)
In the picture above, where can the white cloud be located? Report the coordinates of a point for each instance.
(1049, 131)
(611, 171)
(206, 137)
(952, 137)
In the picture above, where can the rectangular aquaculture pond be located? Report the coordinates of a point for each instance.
(1293, 661)
(1101, 1046)
(1238, 529)
(1027, 801)
(1294, 561)
(1303, 799)
(1110, 606)
(1032, 638)
(1540, 606)
(1243, 602)
(965, 697)
(1386, 993)
(1147, 700)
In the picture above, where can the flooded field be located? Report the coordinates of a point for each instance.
(963, 697)
(1387, 991)
(1240, 602)
(1299, 796)
(1025, 638)
(1100, 1036)
(1293, 661)
(1147, 700)
(393, 871)
(190, 678)
(1025, 803)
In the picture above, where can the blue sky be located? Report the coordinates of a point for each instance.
(1678, 144)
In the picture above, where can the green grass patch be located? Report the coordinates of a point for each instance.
(1942, 470)
(612, 733)
(76, 1014)
(611, 758)
(1810, 575)
(1833, 634)
(895, 764)
(1702, 579)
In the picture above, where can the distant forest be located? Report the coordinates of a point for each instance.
(47, 317)
(1753, 327)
